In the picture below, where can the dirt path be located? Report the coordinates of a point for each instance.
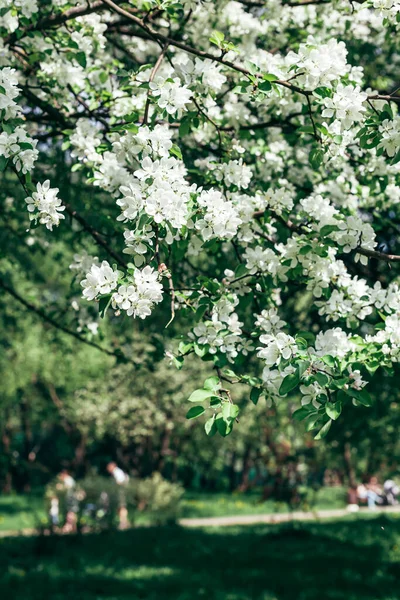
(250, 519)
(281, 517)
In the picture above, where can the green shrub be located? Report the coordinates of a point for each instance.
(158, 498)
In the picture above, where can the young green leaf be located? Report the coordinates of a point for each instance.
(200, 395)
(195, 412)
(289, 383)
(323, 432)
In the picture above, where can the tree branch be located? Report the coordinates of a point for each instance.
(56, 325)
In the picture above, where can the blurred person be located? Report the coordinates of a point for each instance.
(68, 483)
(374, 493)
(391, 491)
(54, 511)
(122, 479)
(352, 499)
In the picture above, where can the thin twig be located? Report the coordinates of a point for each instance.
(151, 78)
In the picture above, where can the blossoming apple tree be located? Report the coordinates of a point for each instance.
(248, 156)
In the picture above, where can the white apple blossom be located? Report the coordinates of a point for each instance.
(45, 206)
(100, 279)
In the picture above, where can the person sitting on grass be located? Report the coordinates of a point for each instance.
(122, 479)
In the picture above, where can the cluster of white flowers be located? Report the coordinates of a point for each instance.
(147, 142)
(351, 232)
(100, 279)
(110, 174)
(205, 75)
(17, 144)
(264, 260)
(355, 233)
(222, 330)
(45, 206)
(220, 217)
(269, 321)
(277, 347)
(139, 294)
(335, 342)
(346, 105)
(172, 96)
(160, 190)
(387, 8)
(390, 132)
(280, 199)
(82, 263)
(136, 295)
(319, 64)
(20, 148)
(232, 173)
(9, 91)
(137, 243)
(288, 215)
(11, 10)
(85, 140)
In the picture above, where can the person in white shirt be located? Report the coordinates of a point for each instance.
(122, 479)
(67, 482)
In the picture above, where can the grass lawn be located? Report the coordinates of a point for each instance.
(353, 559)
(219, 505)
(19, 512)
(27, 511)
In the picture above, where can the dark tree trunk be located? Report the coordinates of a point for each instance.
(6, 484)
(244, 485)
(351, 476)
(27, 443)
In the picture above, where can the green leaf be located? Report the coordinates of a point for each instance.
(308, 336)
(224, 427)
(303, 412)
(104, 303)
(178, 362)
(362, 396)
(215, 401)
(210, 426)
(333, 410)
(269, 77)
(289, 383)
(201, 350)
(323, 432)
(25, 146)
(212, 383)
(185, 348)
(322, 379)
(217, 37)
(200, 395)
(80, 57)
(316, 157)
(329, 360)
(3, 163)
(176, 151)
(327, 229)
(229, 411)
(301, 343)
(195, 412)
(255, 394)
(264, 86)
(323, 92)
(312, 423)
(302, 366)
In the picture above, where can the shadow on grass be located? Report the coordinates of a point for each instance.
(349, 560)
